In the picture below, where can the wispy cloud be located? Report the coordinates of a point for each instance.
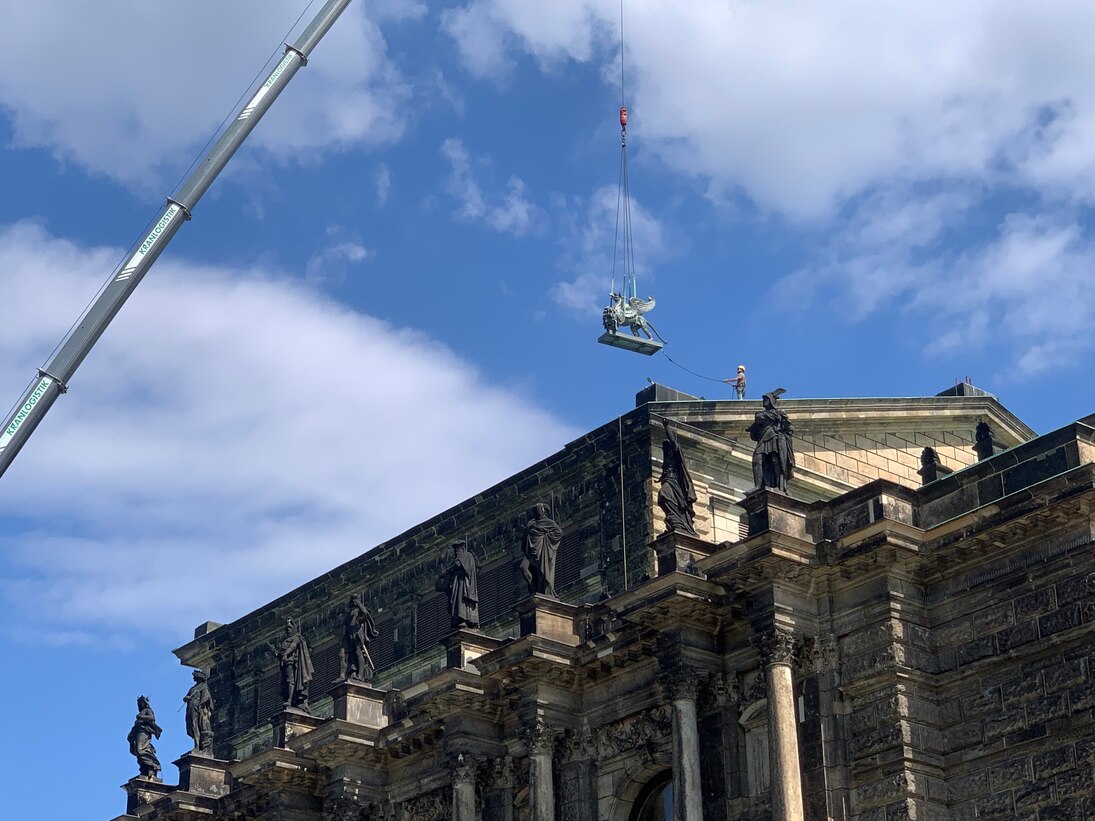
(1023, 288)
(589, 243)
(383, 180)
(331, 262)
(225, 442)
(508, 211)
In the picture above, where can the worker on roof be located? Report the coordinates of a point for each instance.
(738, 382)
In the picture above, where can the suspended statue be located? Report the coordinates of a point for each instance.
(677, 493)
(626, 309)
(773, 458)
(140, 740)
(630, 314)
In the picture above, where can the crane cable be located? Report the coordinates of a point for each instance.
(623, 194)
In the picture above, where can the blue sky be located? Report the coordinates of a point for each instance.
(390, 301)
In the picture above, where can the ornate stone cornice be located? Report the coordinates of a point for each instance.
(777, 646)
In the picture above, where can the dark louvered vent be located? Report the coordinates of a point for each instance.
(382, 648)
(497, 590)
(269, 696)
(431, 622)
(325, 662)
(568, 562)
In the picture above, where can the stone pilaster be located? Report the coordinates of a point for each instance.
(778, 651)
(462, 768)
(681, 686)
(578, 778)
(499, 784)
(540, 742)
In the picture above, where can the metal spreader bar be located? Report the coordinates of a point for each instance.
(54, 378)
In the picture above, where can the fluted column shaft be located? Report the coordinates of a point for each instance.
(540, 740)
(680, 685)
(463, 789)
(786, 770)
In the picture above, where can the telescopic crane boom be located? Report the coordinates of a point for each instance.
(53, 379)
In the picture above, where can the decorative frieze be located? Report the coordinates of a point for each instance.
(643, 733)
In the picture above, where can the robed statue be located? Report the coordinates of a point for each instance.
(199, 713)
(360, 631)
(461, 579)
(677, 493)
(773, 458)
(295, 664)
(542, 539)
(140, 740)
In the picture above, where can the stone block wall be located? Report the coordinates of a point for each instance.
(1016, 659)
(599, 506)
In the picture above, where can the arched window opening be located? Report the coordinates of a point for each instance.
(754, 725)
(655, 802)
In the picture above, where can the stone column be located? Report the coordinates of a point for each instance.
(779, 650)
(540, 741)
(463, 787)
(681, 685)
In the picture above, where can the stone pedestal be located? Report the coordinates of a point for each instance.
(548, 618)
(463, 646)
(290, 723)
(140, 791)
(680, 552)
(770, 510)
(204, 775)
(360, 703)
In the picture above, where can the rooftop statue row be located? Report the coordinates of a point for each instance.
(199, 726)
(773, 464)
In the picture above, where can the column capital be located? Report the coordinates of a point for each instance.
(777, 645)
(462, 767)
(679, 681)
(539, 737)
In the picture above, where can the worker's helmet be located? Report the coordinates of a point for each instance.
(741, 367)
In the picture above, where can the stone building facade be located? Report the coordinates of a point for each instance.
(870, 646)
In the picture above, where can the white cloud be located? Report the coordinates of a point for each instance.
(590, 243)
(508, 212)
(233, 434)
(805, 105)
(117, 87)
